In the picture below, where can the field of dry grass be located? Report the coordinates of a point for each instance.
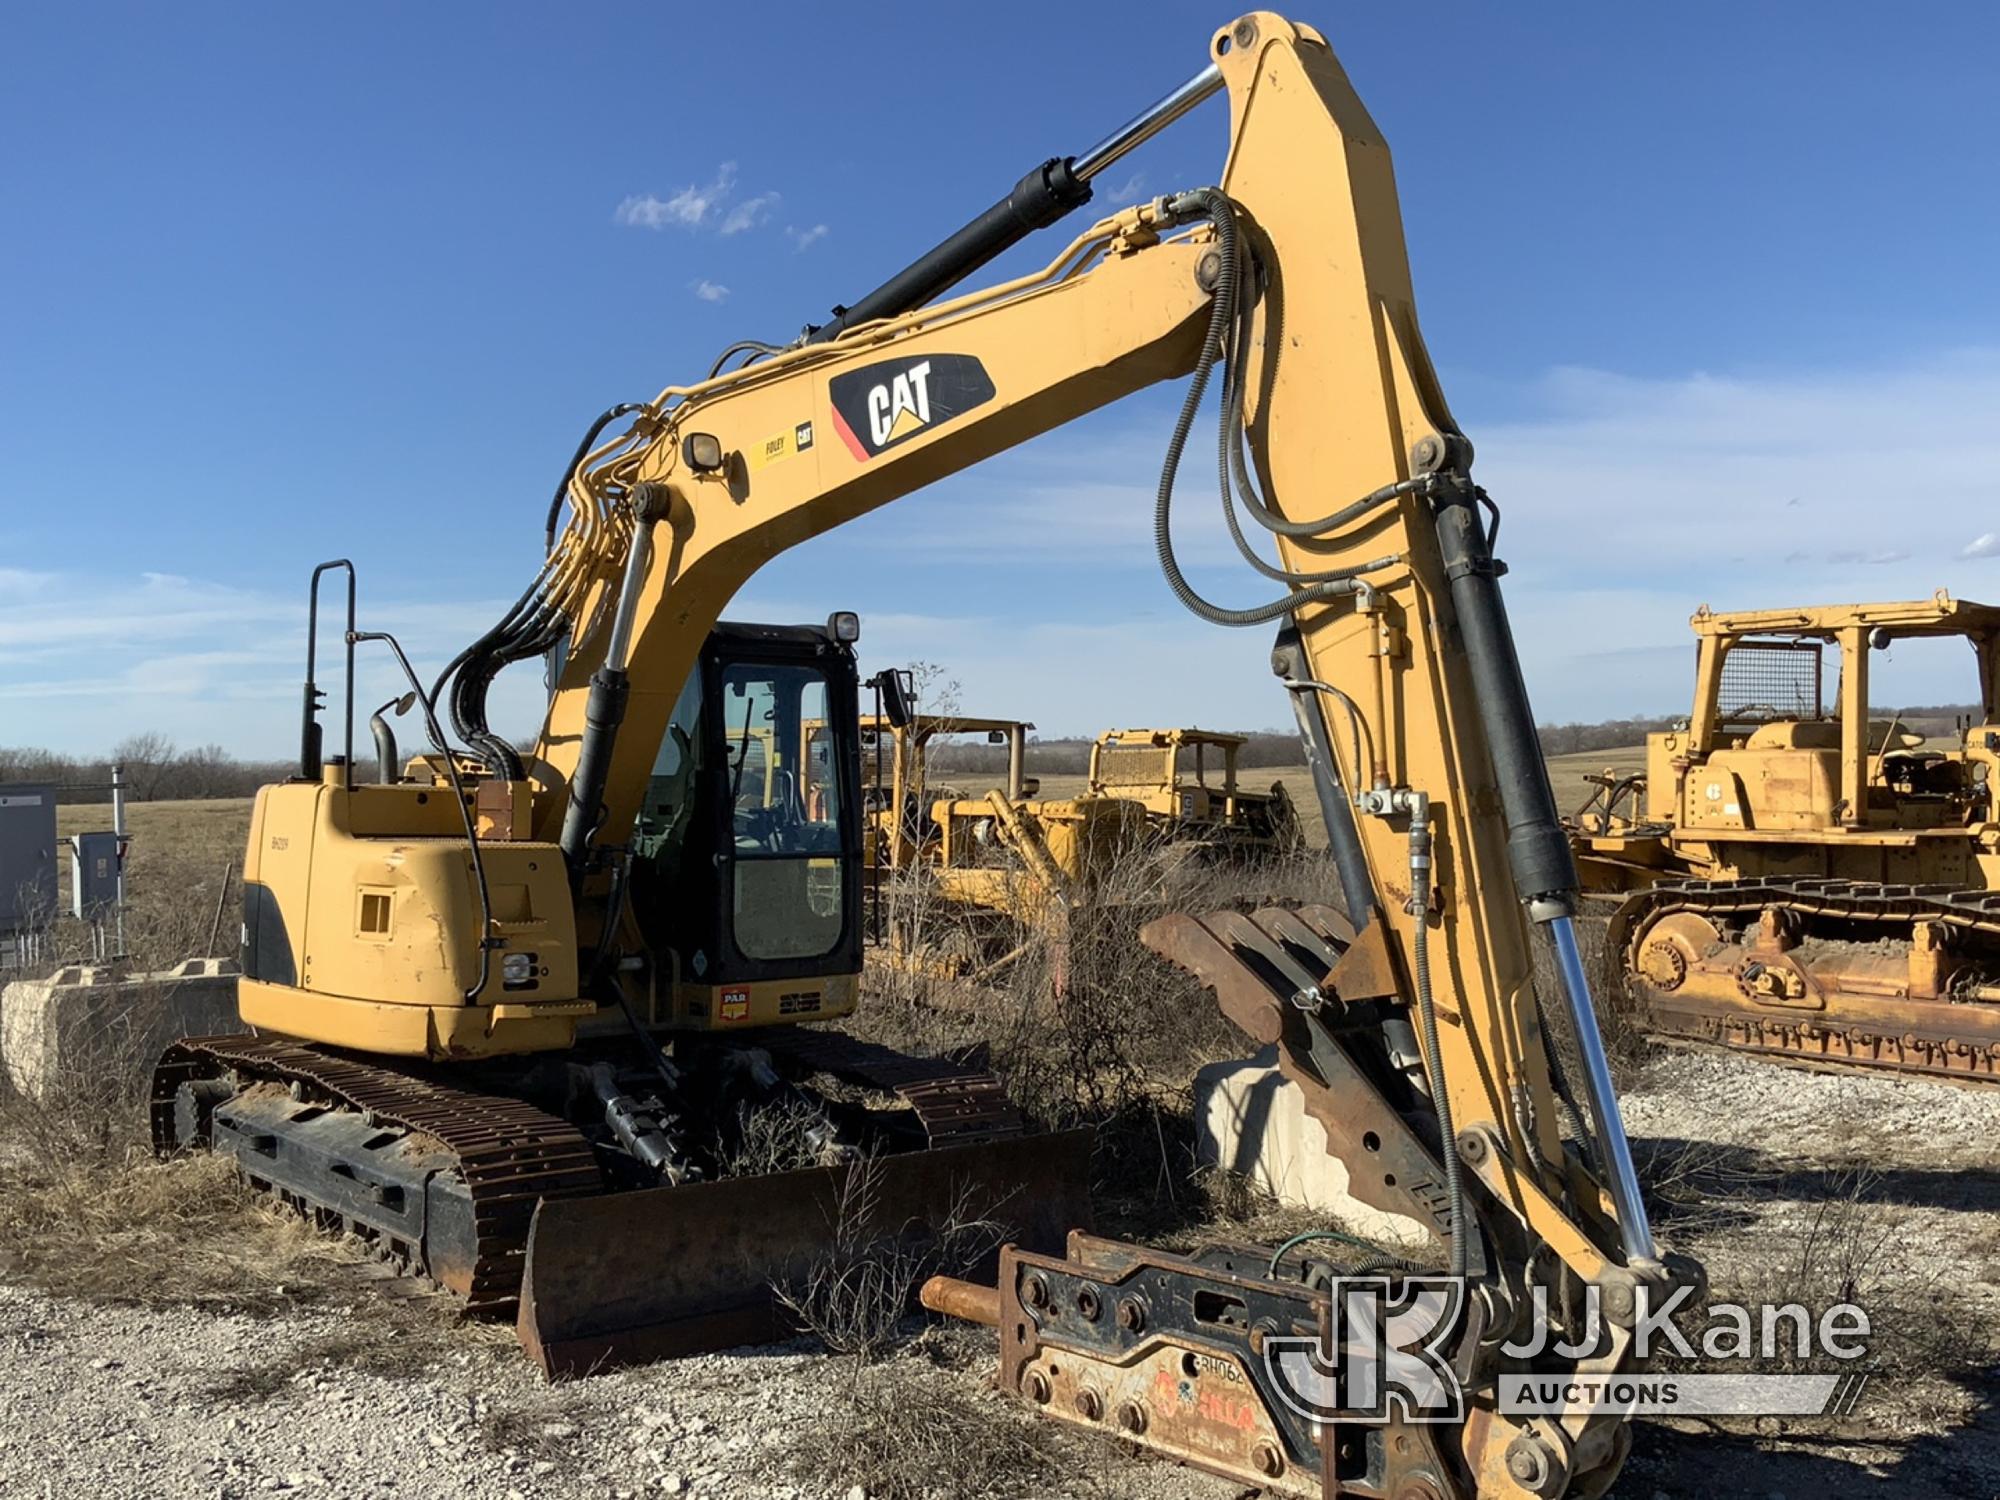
(182, 855)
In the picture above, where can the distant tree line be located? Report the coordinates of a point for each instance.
(155, 771)
(1932, 721)
(1606, 734)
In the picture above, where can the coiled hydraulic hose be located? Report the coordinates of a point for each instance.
(531, 627)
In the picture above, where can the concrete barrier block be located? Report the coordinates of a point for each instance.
(1251, 1120)
(87, 1018)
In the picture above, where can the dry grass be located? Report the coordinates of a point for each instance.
(126, 1228)
(86, 1210)
(181, 855)
(1118, 1046)
(856, 1296)
(902, 1433)
(1843, 1241)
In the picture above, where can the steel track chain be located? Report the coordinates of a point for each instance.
(510, 1154)
(1973, 914)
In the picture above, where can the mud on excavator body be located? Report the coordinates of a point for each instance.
(1803, 875)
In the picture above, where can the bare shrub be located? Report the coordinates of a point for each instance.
(1841, 1242)
(782, 1136)
(855, 1296)
(1084, 1023)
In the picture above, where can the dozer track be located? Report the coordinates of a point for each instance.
(1820, 971)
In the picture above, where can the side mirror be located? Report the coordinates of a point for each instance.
(1879, 638)
(895, 694)
(996, 736)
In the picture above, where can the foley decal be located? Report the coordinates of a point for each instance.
(889, 403)
(781, 446)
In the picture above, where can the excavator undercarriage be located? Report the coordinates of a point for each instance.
(1819, 971)
(507, 1189)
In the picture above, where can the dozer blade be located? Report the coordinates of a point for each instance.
(624, 1278)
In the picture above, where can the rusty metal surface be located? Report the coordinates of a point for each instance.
(1167, 1352)
(968, 1301)
(1188, 1387)
(630, 1277)
(1366, 971)
(1237, 957)
(510, 1154)
(1830, 1008)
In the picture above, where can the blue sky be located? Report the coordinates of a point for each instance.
(1710, 287)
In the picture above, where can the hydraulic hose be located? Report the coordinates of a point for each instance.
(1236, 480)
(530, 627)
(1212, 204)
(1420, 961)
(623, 409)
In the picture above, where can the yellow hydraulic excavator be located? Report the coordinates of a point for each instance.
(986, 875)
(511, 1009)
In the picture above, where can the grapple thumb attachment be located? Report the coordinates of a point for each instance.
(624, 1278)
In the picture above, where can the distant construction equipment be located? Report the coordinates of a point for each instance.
(1186, 780)
(1808, 881)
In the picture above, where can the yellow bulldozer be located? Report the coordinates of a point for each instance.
(511, 1008)
(1186, 779)
(965, 882)
(1806, 876)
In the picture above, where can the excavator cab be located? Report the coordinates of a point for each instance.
(746, 868)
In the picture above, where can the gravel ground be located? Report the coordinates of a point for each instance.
(1788, 1182)
(369, 1395)
(373, 1400)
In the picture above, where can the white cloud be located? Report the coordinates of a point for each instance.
(803, 238)
(690, 208)
(708, 291)
(1627, 502)
(749, 213)
(98, 657)
(1128, 191)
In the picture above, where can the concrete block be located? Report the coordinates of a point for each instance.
(1251, 1120)
(87, 1018)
